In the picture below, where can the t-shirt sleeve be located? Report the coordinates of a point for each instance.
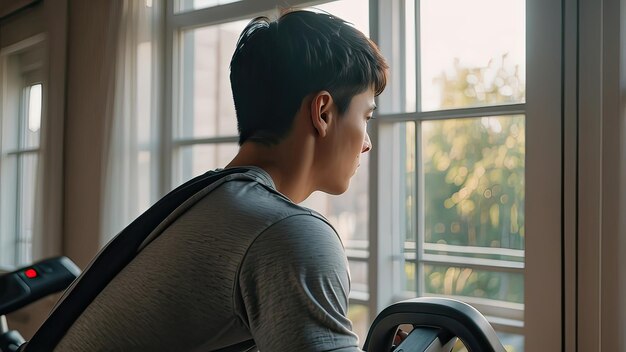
(294, 287)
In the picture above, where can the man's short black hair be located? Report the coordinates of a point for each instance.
(278, 63)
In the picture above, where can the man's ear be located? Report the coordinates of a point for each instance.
(322, 112)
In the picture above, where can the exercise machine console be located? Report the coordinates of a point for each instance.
(26, 285)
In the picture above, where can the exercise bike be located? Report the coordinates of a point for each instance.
(437, 322)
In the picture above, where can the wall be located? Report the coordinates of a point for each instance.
(90, 74)
(602, 180)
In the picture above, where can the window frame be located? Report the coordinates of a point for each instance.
(507, 317)
(545, 179)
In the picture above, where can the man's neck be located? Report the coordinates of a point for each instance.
(288, 164)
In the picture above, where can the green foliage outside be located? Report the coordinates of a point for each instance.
(474, 181)
(473, 171)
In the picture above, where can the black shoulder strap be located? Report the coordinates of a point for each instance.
(245, 346)
(112, 259)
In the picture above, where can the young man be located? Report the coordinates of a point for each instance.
(241, 264)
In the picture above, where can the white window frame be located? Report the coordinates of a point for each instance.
(506, 317)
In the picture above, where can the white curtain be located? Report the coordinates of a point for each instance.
(131, 155)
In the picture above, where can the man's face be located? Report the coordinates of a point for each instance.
(348, 139)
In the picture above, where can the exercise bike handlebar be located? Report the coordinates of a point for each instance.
(451, 317)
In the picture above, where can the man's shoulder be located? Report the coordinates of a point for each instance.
(250, 204)
(299, 234)
(253, 194)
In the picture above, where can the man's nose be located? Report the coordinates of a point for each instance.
(367, 144)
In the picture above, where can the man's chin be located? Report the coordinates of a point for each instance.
(337, 189)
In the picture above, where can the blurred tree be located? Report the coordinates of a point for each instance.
(473, 171)
(495, 84)
(474, 168)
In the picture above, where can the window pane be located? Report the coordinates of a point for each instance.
(398, 43)
(8, 211)
(147, 104)
(353, 11)
(358, 276)
(473, 174)
(348, 212)
(468, 282)
(410, 276)
(26, 207)
(32, 117)
(408, 189)
(194, 160)
(409, 76)
(472, 53)
(188, 5)
(473, 204)
(359, 316)
(511, 342)
(206, 107)
(145, 173)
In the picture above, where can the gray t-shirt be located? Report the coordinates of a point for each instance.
(241, 262)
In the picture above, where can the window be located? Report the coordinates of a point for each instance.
(205, 125)
(439, 205)
(454, 120)
(20, 152)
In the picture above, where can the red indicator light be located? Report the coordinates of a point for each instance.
(30, 273)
